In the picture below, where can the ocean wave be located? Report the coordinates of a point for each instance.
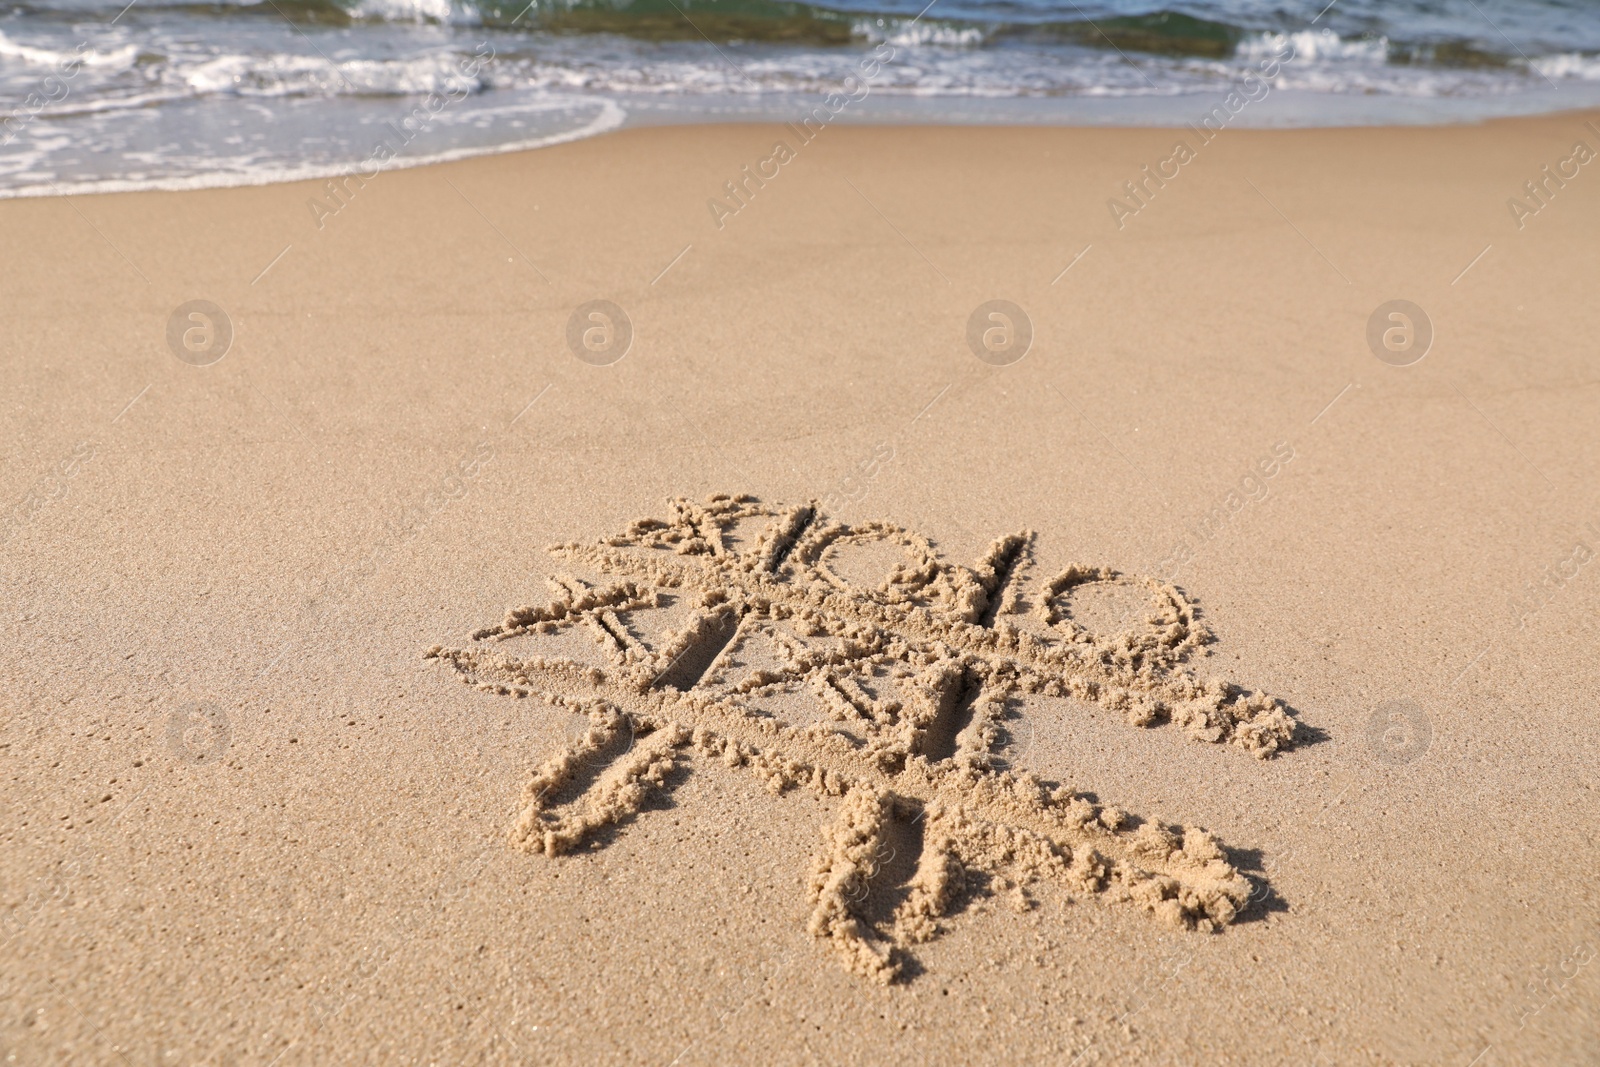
(1568, 65)
(906, 33)
(120, 59)
(297, 12)
(930, 61)
(956, 69)
(230, 172)
(1315, 46)
(416, 11)
(299, 75)
(249, 97)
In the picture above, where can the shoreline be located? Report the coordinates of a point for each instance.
(613, 117)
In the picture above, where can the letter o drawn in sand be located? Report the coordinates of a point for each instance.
(199, 333)
(599, 333)
(1398, 732)
(999, 333)
(198, 732)
(1399, 333)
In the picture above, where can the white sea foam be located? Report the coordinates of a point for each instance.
(416, 11)
(234, 171)
(905, 33)
(299, 75)
(1569, 65)
(1313, 46)
(119, 59)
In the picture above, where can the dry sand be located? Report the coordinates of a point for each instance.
(246, 821)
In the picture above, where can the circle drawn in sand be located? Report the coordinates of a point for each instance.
(599, 333)
(999, 332)
(872, 560)
(1398, 732)
(199, 732)
(1102, 604)
(199, 333)
(1399, 333)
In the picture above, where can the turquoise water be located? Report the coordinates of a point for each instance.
(102, 95)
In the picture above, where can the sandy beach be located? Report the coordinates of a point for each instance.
(247, 821)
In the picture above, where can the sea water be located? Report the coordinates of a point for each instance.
(106, 95)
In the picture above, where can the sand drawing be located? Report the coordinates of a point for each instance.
(889, 698)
